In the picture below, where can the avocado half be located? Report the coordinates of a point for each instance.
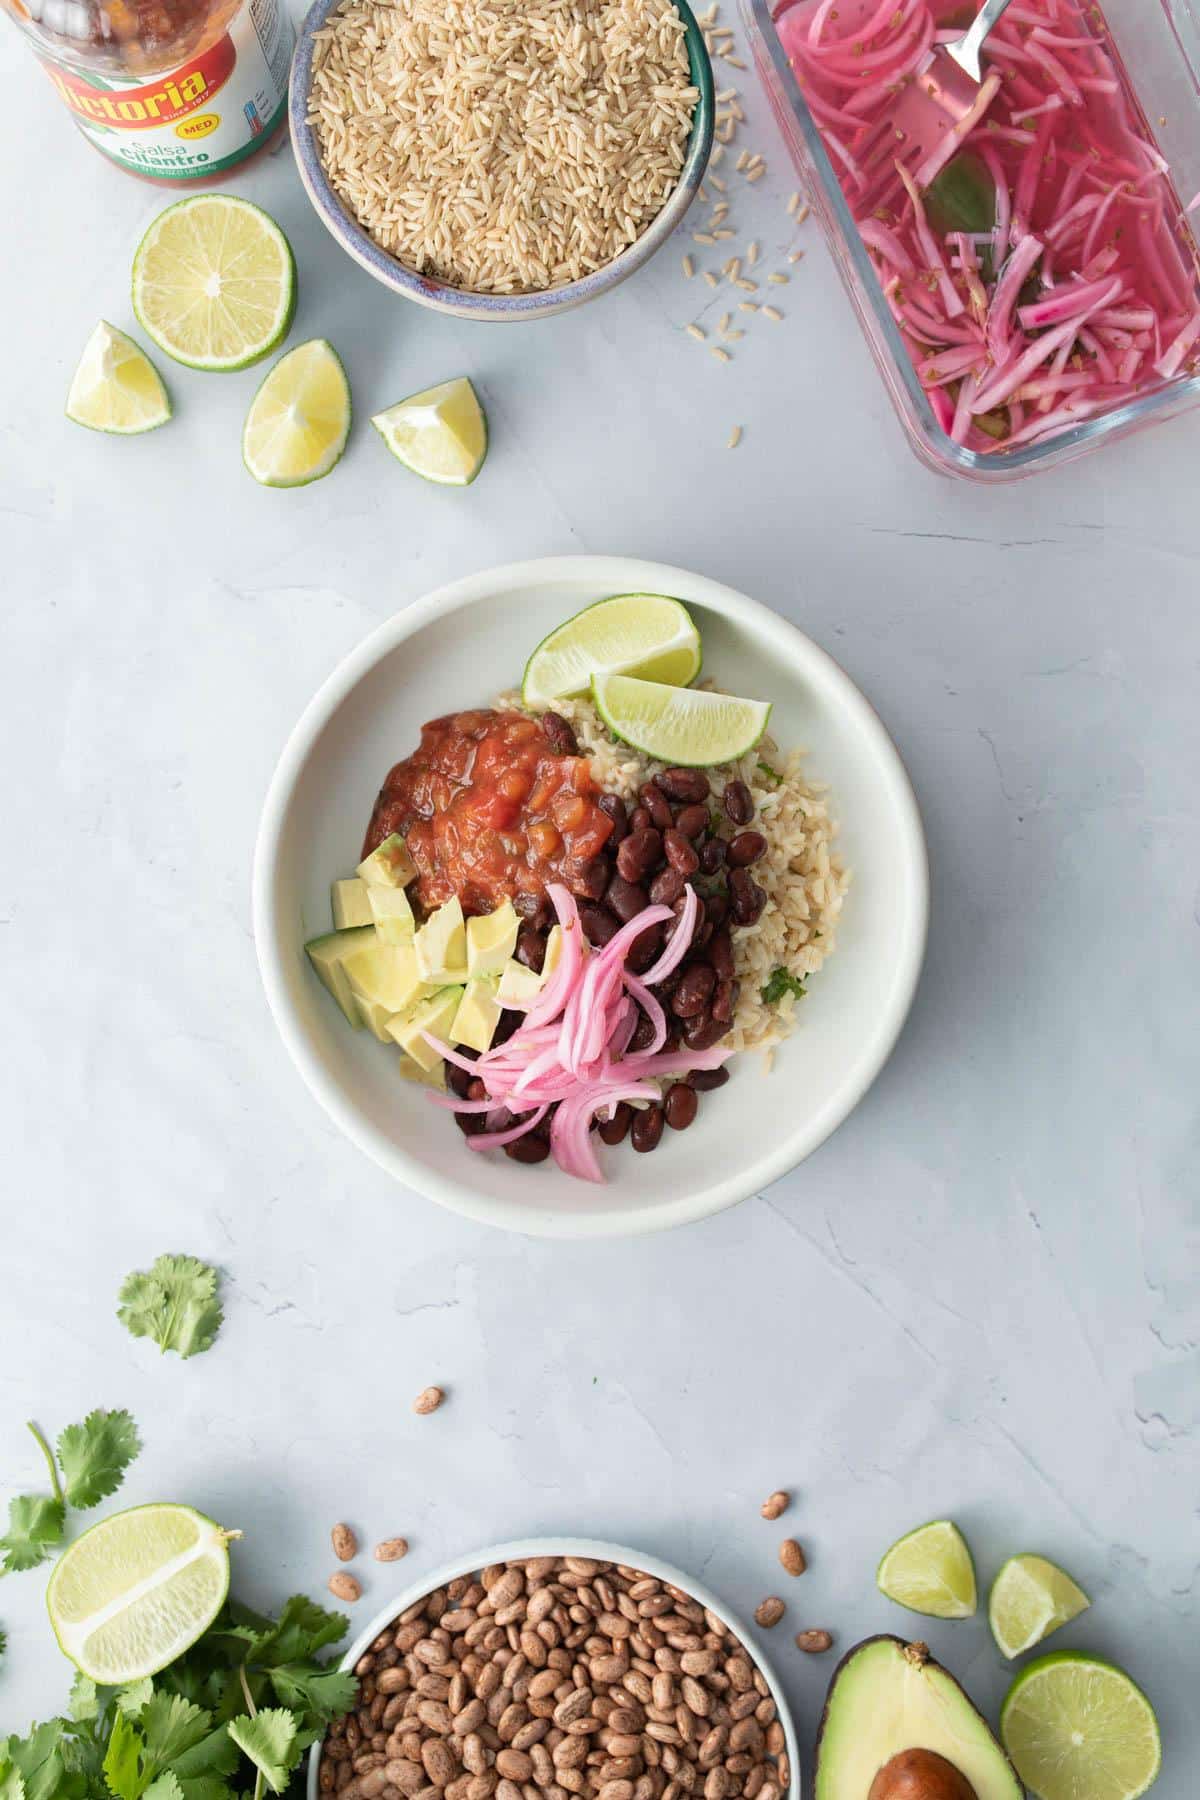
(888, 1697)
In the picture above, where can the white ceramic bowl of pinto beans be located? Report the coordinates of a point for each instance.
(577, 1558)
(458, 648)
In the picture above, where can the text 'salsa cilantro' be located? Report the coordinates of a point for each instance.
(780, 983)
(93, 1457)
(229, 1720)
(174, 1302)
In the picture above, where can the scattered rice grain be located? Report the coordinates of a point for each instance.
(695, 332)
(735, 438)
(721, 355)
(772, 312)
(689, 267)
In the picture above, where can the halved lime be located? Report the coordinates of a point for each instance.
(440, 434)
(214, 282)
(135, 1591)
(930, 1571)
(116, 387)
(299, 419)
(679, 725)
(1030, 1598)
(649, 635)
(1078, 1728)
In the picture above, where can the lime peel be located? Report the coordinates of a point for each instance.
(930, 1571)
(116, 388)
(1079, 1728)
(214, 282)
(688, 727)
(649, 635)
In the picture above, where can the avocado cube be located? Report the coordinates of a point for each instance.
(329, 955)
(518, 984)
(554, 944)
(384, 981)
(441, 944)
(392, 914)
(351, 907)
(388, 866)
(491, 940)
(435, 1015)
(477, 1016)
(412, 1071)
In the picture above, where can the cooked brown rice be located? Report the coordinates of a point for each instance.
(505, 146)
(802, 874)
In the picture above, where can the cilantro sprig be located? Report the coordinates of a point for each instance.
(175, 1302)
(780, 983)
(231, 1719)
(92, 1458)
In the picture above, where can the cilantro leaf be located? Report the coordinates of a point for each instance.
(170, 1725)
(164, 1787)
(12, 1787)
(35, 1526)
(84, 1702)
(269, 1740)
(781, 982)
(768, 773)
(123, 1759)
(301, 1630)
(95, 1454)
(131, 1699)
(174, 1302)
(37, 1763)
(319, 1693)
(3, 1643)
(213, 1757)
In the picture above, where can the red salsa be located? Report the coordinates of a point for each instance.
(490, 808)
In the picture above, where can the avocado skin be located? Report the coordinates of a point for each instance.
(930, 1662)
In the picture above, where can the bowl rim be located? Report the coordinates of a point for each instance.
(614, 574)
(599, 1550)
(466, 303)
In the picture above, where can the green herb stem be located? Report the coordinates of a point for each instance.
(46, 1451)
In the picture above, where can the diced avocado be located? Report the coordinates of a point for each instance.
(384, 981)
(441, 944)
(491, 940)
(351, 907)
(392, 914)
(893, 1718)
(328, 956)
(554, 945)
(517, 983)
(412, 1071)
(388, 866)
(478, 1015)
(436, 1016)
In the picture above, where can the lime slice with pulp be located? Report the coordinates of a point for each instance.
(649, 635)
(679, 725)
(930, 1571)
(131, 1594)
(116, 387)
(1030, 1598)
(214, 282)
(440, 434)
(299, 419)
(1079, 1729)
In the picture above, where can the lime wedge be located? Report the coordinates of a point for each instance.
(1030, 1598)
(1079, 1729)
(679, 725)
(214, 282)
(299, 419)
(116, 387)
(440, 434)
(930, 1571)
(649, 635)
(131, 1594)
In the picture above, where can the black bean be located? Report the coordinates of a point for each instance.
(562, 738)
(703, 1032)
(535, 909)
(725, 1000)
(691, 997)
(531, 949)
(599, 925)
(716, 909)
(704, 1080)
(656, 804)
(712, 855)
(746, 848)
(625, 898)
(720, 955)
(679, 852)
(644, 950)
(745, 897)
(684, 784)
(506, 1024)
(639, 853)
(643, 1033)
(738, 803)
(666, 888)
(457, 1080)
(476, 1089)
(639, 819)
(470, 1124)
(647, 1128)
(692, 820)
(702, 934)
(613, 807)
(614, 1129)
(588, 879)
(528, 1149)
(680, 1106)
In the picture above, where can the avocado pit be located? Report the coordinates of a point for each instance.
(920, 1775)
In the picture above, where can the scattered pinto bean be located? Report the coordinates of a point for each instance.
(746, 848)
(528, 1149)
(391, 1549)
(692, 820)
(738, 803)
(599, 925)
(666, 888)
(345, 1587)
(679, 851)
(683, 784)
(656, 804)
(680, 1106)
(704, 1080)
(345, 1544)
(814, 1643)
(562, 737)
(776, 1504)
(768, 1612)
(647, 1128)
(693, 993)
(531, 949)
(614, 807)
(613, 1130)
(792, 1557)
(639, 853)
(428, 1400)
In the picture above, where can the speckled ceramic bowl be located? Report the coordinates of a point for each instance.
(440, 295)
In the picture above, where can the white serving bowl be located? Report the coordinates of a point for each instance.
(599, 1552)
(456, 648)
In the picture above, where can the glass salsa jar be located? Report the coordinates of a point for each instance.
(172, 90)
